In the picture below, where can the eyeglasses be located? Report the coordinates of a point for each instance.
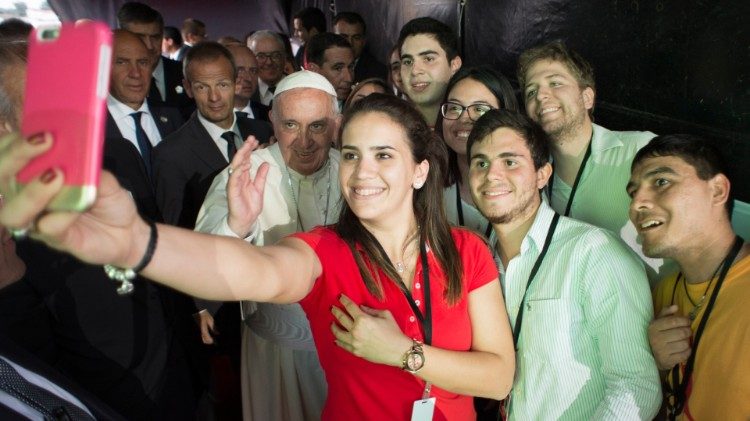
(453, 111)
(275, 56)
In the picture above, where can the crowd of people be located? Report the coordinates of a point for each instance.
(324, 236)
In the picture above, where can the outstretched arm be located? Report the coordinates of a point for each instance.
(112, 232)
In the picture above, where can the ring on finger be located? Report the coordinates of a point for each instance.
(230, 171)
(18, 233)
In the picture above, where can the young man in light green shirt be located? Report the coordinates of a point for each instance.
(578, 298)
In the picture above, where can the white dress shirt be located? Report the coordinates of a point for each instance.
(215, 132)
(265, 95)
(583, 353)
(121, 114)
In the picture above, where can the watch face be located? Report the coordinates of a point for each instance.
(414, 361)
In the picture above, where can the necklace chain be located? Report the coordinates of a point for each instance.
(697, 306)
(294, 197)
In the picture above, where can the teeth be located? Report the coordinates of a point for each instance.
(650, 223)
(549, 110)
(495, 193)
(419, 85)
(367, 192)
(463, 133)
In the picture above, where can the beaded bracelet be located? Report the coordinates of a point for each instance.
(124, 276)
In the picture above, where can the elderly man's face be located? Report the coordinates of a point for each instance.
(131, 71)
(247, 72)
(304, 124)
(270, 55)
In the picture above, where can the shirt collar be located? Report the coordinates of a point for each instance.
(601, 141)
(535, 237)
(120, 110)
(215, 131)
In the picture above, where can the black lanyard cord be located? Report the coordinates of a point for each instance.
(678, 387)
(532, 275)
(577, 180)
(426, 318)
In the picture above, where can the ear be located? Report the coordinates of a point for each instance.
(420, 175)
(312, 67)
(188, 88)
(588, 95)
(335, 128)
(542, 175)
(455, 64)
(720, 186)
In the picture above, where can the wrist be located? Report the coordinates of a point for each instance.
(241, 231)
(138, 245)
(413, 359)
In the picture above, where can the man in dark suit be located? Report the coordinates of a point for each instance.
(186, 161)
(247, 84)
(307, 23)
(39, 374)
(351, 26)
(166, 85)
(269, 50)
(129, 115)
(123, 349)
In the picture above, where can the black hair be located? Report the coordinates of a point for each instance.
(316, 48)
(351, 18)
(536, 140)
(433, 27)
(170, 32)
(698, 152)
(312, 17)
(137, 12)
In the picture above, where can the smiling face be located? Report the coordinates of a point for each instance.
(211, 84)
(304, 124)
(504, 183)
(672, 208)
(555, 100)
(425, 69)
(467, 92)
(377, 171)
(270, 55)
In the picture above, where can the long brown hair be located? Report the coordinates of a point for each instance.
(434, 228)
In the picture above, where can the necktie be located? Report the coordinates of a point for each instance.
(231, 147)
(50, 405)
(272, 89)
(242, 114)
(144, 144)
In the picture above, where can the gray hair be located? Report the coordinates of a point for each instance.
(12, 53)
(264, 33)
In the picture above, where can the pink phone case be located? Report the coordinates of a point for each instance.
(66, 87)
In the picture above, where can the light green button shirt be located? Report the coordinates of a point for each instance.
(601, 199)
(583, 352)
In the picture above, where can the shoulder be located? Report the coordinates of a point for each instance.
(172, 66)
(593, 243)
(187, 131)
(259, 128)
(631, 139)
(321, 239)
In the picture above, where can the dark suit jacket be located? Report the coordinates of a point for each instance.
(22, 357)
(123, 349)
(260, 111)
(186, 162)
(368, 66)
(168, 119)
(175, 95)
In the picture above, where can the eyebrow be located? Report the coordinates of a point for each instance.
(374, 148)
(501, 155)
(421, 54)
(553, 75)
(656, 171)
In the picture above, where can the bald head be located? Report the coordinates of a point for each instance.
(131, 69)
(247, 74)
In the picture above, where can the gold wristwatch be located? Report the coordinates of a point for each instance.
(413, 359)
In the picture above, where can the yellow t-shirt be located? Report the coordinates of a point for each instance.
(721, 373)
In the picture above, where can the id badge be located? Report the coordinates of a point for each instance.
(423, 409)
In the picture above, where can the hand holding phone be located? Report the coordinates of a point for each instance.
(69, 103)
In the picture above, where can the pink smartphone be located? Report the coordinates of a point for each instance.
(67, 82)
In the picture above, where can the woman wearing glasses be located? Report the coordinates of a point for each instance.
(471, 92)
